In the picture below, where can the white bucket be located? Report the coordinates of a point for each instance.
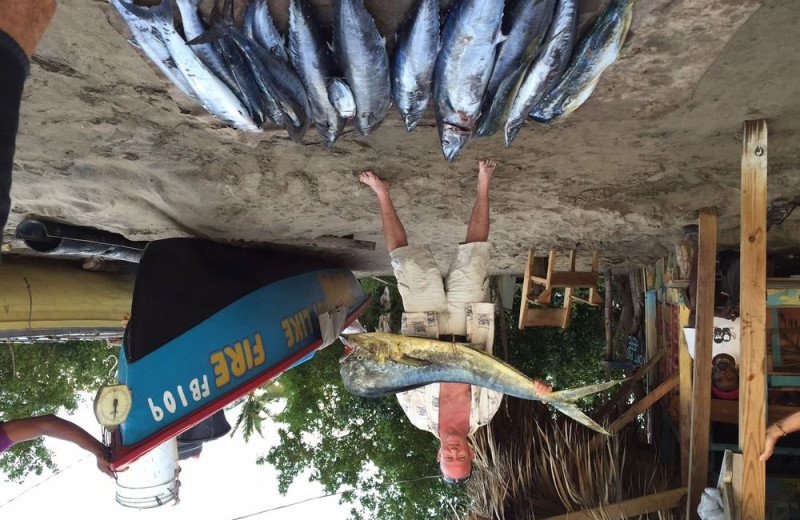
(152, 479)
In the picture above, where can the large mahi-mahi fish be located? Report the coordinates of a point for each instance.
(381, 363)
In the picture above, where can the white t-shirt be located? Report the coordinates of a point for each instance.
(726, 338)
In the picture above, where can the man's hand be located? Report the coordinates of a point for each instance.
(773, 434)
(105, 466)
(541, 388)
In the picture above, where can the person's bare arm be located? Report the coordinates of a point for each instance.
(19, 430)
(26, 20)
(777, 430)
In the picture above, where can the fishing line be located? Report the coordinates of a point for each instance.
(43, 481)
(284, 506)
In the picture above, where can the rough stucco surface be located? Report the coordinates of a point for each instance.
(105, 142)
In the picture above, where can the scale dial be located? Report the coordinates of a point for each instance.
(112, 405)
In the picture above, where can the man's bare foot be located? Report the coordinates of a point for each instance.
(486, 169)
(378, 185)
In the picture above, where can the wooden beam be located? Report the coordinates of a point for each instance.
(638, 407)
(753, 312)
(548, 317)
(627, 386)
(643, 404)
(685, 399)
(727, 411)
(628, 508)
(701, 388)
(573, 279)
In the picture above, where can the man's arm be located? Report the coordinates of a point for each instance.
(22, 23)
(20, 430)
(25, 21)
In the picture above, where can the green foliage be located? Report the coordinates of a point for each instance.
(42, 378)
(370, 446)
(375, 289)
(353, 442)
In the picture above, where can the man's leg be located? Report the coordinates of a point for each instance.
(478, 227)
(393, 231)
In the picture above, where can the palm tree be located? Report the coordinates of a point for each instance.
(254, 410)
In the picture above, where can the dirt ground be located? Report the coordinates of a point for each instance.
(105, 142)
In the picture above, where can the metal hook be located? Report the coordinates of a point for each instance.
(112, 372)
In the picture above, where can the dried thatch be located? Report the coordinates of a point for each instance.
(530, 464)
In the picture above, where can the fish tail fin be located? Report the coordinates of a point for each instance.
(210, 34)
(574, 413)
(576, 393)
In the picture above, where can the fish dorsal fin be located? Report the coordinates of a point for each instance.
(411, 361)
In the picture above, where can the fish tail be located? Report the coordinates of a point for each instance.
(572, 394)
(573, 412)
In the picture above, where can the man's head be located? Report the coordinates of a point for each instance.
(725, 375)
(455, 458)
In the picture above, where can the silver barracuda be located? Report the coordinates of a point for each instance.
(380, 363)
(313, 60)
(525, 26)
(214, 95)
(140, 22)
(361, 53)
(341, 97)
(258, 26)
(547, 67)
(414, 59)
(599, 49)
(463, 68)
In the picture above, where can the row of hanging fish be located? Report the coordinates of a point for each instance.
(482, 71)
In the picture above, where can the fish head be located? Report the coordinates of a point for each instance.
(366, 122)
(360, 367)
(411, 120)
(373, 366)
(453, 139)
(328, 133)
(512, 129)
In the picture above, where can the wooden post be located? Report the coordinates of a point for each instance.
(753, 312)
(608, 318)
(701, 388)
(685, 406)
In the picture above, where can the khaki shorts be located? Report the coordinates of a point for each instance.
(420, 281)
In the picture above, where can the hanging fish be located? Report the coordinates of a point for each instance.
(463, 68)
(547, 68)
(258, 26)
(341, 97)
(140, 22)
(212, 93)
(528, 21)
(361, 54)
(599, 49)
(381, 363)
(414, 59)
(314, 63)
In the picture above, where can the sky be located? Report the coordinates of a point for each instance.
(224, 483)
